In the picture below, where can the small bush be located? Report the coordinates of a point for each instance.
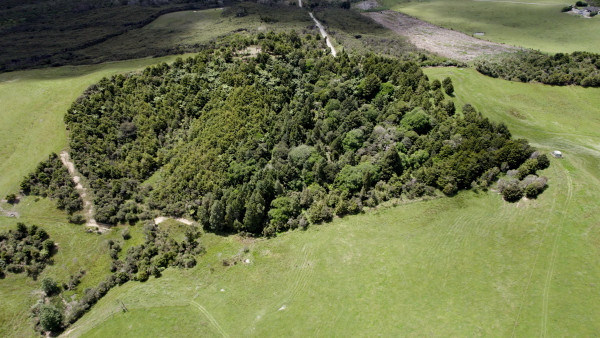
(11, 198)
(50, 318)
(76, 219)
(512, 192)
(125, 234)
(450, 189)
(49, 286)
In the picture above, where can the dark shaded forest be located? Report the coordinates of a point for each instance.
(561, 69)
(273, 142)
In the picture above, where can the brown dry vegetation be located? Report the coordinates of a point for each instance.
(438, 40)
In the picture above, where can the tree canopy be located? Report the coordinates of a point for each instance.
(268, 143)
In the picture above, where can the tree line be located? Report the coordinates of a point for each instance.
(560, 69)
(51, 179)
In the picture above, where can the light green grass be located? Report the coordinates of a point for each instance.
(33, 104)
(463, 266)
(76, 250)
(542, 26)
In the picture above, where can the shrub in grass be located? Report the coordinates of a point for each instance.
(512, 193)
(50, 318)
(11, 198)
(49, 286)
(76, 219)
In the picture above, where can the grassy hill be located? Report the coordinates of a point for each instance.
(471, 264)
(536, 24)
(467, 265)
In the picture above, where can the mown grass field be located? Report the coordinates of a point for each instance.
(462, 266)
(535, 24)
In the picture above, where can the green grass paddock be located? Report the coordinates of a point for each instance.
(536, 24)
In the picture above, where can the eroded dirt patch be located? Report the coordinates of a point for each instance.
(438, 40)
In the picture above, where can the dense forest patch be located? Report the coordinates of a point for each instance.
(51, 179)
(274, 142)
(578, 68)
(25, 249)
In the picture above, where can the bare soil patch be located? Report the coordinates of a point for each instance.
(438, 40)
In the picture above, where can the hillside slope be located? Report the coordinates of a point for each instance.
(466, 265)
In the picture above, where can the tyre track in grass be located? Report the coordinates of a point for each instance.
(210, 318)
(553, 256)
(537, 255)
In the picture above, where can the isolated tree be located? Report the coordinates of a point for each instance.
(449, 88)
(50, 318)
(49, 286)
(11, 198)
(543, 162)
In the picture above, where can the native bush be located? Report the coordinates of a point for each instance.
(577, 68)
(251, 144)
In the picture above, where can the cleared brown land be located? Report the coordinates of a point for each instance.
(438, 40)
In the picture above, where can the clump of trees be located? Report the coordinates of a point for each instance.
(51, 179)
(273, 142)
(25, 249)
(561, 69)
(523, 181)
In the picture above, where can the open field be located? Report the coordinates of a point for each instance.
(468, 265)
(533, 24)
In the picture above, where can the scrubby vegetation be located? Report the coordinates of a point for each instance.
(51, 179)
(578, 68)
(25, 249)
(158, 251)
(291, 136)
